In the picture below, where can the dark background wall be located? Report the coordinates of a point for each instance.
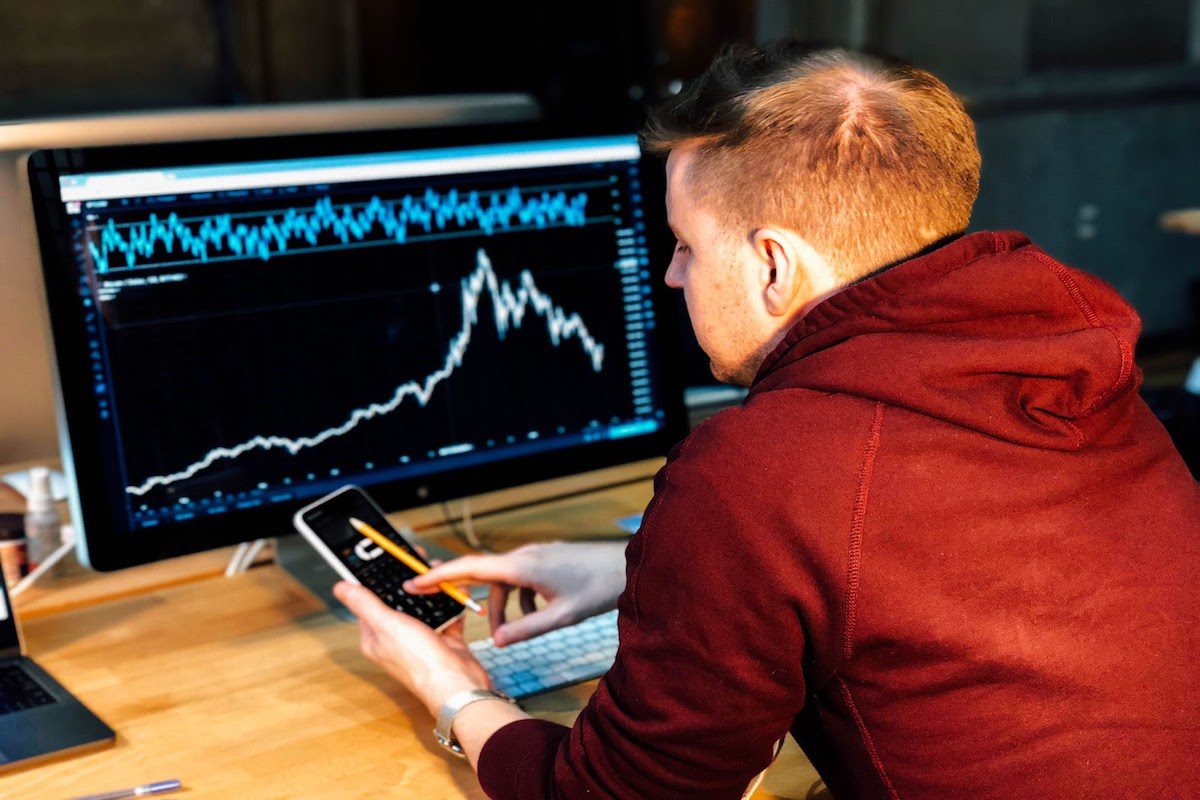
(584, 61)
(1087, 113)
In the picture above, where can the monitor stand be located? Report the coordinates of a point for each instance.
(300, 560)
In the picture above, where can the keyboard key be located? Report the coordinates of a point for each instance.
(19, 691)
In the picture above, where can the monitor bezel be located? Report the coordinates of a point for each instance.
(104, 547)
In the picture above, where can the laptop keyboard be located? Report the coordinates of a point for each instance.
(19, 691)
(558, 658)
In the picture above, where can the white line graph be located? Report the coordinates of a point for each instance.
(509, 308)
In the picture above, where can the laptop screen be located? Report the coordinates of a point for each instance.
(9, 643)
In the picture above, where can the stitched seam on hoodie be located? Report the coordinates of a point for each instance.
(867, 741)
(857, 523)
(1089, 314)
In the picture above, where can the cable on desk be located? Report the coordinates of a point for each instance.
(467, 530)
(67, 532)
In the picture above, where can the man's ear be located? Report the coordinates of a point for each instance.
(793, 274)
(782, 276)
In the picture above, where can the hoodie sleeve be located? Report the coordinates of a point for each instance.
(708, 675)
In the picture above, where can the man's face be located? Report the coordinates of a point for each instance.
(709, 266)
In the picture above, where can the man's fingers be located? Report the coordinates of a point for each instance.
(454, 630)
(528, 606)
(497, 600)
(528, 626)
(469, 569)
(367, 640)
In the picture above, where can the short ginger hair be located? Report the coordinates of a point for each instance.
(869, 161)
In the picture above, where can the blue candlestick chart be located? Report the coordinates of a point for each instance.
(176, 241)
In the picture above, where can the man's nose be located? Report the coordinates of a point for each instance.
(674, 276)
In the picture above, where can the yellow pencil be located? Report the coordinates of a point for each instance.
(412, 563)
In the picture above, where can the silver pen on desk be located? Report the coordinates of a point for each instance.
(145, 790)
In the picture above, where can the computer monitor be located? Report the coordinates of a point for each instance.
(28, 430)
(243, 325)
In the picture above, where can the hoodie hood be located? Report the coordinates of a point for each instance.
(987, 332)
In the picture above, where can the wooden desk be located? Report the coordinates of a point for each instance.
(247, 687)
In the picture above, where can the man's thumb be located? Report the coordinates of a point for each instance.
(362, 602)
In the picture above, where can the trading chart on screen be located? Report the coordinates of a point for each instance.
(260, 332)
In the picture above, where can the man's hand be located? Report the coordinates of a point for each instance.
(576, 580)
(432, 665)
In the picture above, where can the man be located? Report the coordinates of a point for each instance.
(942, 542)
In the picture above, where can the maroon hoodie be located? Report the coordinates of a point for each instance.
(943, 542)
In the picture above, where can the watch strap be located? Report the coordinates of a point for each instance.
(443, 730)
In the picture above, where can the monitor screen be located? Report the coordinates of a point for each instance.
(240, 335)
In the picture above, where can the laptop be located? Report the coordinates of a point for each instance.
(38, 717)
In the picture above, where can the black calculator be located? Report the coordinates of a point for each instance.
(326, 526)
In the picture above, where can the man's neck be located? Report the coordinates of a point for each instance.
(926, 250)
(770, 345)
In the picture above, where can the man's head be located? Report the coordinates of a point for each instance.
(793, 174)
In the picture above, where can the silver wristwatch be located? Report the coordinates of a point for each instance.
(456, 703)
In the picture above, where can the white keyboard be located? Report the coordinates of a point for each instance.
(558, 658)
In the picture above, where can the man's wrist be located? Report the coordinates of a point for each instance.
(459, 702)
(477, 723)
(435, 696)
(487, 706)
